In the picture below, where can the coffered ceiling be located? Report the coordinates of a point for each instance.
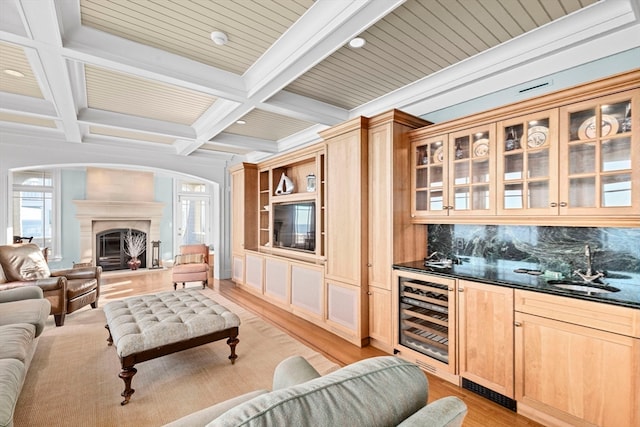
(147, 73)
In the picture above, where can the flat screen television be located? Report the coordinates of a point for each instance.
(294, 226)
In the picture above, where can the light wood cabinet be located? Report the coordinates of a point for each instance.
(528, 175)
(453, 173)
(254, 273)
(244, 221)
(307, 292)
(346, 228)
(276, 280)
(485, 336)
(599, 172)
(391, 236)
(577, 362)
(565, 158)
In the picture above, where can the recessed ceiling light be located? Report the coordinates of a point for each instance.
(14, 73)
(241, 122)
(357, 42)
(219, 38)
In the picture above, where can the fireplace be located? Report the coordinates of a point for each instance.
(98, 217)
(110, 249)
(111, 207)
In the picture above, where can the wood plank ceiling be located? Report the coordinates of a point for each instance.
(147, 72)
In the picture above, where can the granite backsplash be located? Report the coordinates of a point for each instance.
(560, 249)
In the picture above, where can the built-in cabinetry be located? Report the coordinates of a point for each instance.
(391, 237)
(576, 362)
(565, 157)
(565, 361)
(346, 230)
(485, 336)
(243, 216)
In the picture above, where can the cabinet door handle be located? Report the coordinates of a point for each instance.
(460, 289)
(451, 289)
(369, 293)
(517, 324)
(369, 265)
(553, 205)
(563, 204)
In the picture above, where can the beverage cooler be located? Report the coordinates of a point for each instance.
(426, 322)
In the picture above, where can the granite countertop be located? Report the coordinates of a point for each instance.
(501, 273)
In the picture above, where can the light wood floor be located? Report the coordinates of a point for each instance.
(482, 412)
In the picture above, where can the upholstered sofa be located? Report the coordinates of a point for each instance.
(67, 290)
(23, 313)
(380, 391)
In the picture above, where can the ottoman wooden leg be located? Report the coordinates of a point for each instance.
(127, 375)
(233, 341)
(110, 339)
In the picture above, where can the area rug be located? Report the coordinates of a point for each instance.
(73, 379)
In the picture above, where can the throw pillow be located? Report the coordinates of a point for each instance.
(24, 262)
(189, 259)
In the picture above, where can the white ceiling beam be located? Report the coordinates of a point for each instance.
(253, 144)
(325, 28)
(94, 117)
(20, 104)
(303, 108)
(50, 67)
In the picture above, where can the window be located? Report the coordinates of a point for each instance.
(35, 207)
(193, 213)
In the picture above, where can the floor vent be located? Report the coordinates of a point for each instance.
(498, 398)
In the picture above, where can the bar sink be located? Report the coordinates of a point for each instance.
(583, 287)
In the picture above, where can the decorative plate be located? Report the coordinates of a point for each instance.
(537, 136)
(481, 147)
(438, 155)
(587, 129)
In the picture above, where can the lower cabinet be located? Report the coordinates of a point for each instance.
(577, 363)
(345, 312)
(307, 292)
(237, 268)
(253, 276)
(276, 280)
(380, 318)
(485, 335)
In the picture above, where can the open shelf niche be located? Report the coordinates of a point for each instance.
(298, 169)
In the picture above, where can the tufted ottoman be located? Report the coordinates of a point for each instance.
(151, 326)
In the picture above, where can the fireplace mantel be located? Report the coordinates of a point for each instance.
(95, 216)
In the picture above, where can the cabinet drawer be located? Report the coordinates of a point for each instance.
(606, 317)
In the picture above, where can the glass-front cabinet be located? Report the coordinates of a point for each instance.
(429, 176)
(452, 174)
(472, 168)
(527, 171)
(600, 156)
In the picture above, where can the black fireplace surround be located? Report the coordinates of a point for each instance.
(110, 246)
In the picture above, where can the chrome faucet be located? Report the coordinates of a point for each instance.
(588, 276)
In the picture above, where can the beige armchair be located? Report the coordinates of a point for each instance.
(67, 290)
(191, 265)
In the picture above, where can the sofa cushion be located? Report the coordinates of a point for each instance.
(16, 340)
(32, 311)
(394, 387)
(23, 262)
(12, 373)
(77, 287)
(203, 416)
